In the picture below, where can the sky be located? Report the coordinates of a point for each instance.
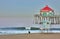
(23, 10)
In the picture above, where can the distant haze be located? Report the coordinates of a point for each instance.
(21, 12)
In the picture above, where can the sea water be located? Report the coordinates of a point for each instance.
(19, 31)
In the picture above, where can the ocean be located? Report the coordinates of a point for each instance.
(23, 30)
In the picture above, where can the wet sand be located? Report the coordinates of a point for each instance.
(31, 36)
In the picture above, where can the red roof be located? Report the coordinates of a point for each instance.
(46, 9)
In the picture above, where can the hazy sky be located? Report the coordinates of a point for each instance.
(26, 7)
(24, 10)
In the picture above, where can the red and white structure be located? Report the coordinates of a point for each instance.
(47, 13)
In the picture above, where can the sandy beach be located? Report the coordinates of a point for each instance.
(31, 36)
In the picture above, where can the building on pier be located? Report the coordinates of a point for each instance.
(47, 14)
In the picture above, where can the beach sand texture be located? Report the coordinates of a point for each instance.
(31, 36)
